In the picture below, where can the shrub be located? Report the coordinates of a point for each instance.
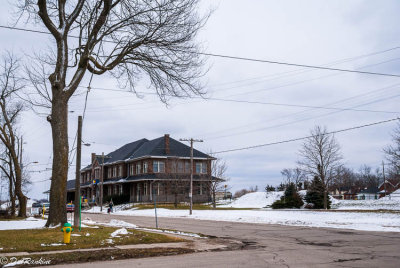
(290, 199)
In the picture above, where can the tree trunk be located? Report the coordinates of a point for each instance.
(214, 201)
(58, 196)
(22, 200)
(325, 200)
(12, 199)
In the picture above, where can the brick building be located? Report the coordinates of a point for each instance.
(144, 168)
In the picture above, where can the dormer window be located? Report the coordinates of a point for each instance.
(158, 167)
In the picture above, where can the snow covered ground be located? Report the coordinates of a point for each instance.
(371, 221)
(29, 223)
(255, 200)
(263, 200)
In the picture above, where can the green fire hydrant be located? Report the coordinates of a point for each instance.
(67, 229)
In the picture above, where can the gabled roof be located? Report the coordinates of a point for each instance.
(149, 148)
(156, 147)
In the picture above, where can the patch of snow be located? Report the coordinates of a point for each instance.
(118, 232)
(52, 245)
(28, 223)
(109, 241)
(171, 232)
(75, 235)
(87, 234)
(118, 223)
(255, 200)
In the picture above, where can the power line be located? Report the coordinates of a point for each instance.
(297, 65)
(303, 138)
(307, 110)
(301, 106)
(105, 108)
(235, 57)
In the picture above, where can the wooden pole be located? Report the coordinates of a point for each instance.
(77, 205)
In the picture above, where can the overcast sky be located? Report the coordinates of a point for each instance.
(307, 32)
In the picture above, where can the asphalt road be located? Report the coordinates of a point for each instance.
(270, 246)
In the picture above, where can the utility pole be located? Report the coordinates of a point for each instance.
(384, 177)
(101, 183)
(191, 170)
(77, 206)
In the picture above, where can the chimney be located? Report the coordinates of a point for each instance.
(166, 143)
(93, 157)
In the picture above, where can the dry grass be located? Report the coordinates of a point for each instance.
(33, 239)
(104, 255)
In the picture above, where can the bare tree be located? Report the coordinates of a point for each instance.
(10, 108)
(393, 152)
(217, 178)
(295, 175)
(128, 39)
(321, 157)
(288, 174)
(7, 170)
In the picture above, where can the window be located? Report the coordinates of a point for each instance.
(114, 171)
(201, 168)
(120, 171)
(145, 166)
(158, 167)
(120, 189)
(145, 188)
(181, 167)
(187, 166)
(109, 173)
(131, 169)
(138, 168)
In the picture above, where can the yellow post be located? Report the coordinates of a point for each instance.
(67, 229)
(43, 210)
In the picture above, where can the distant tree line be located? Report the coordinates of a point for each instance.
(320, 159)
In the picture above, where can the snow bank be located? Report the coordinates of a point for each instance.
(29, 223)
(371, 221)
(255, 200)
(378, 204)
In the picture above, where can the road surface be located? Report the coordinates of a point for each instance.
(269, 246)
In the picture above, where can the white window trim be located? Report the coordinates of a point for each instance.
(158, 164)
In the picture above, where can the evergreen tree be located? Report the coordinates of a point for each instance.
(290, 199)
(269, 188)
(315, 194)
